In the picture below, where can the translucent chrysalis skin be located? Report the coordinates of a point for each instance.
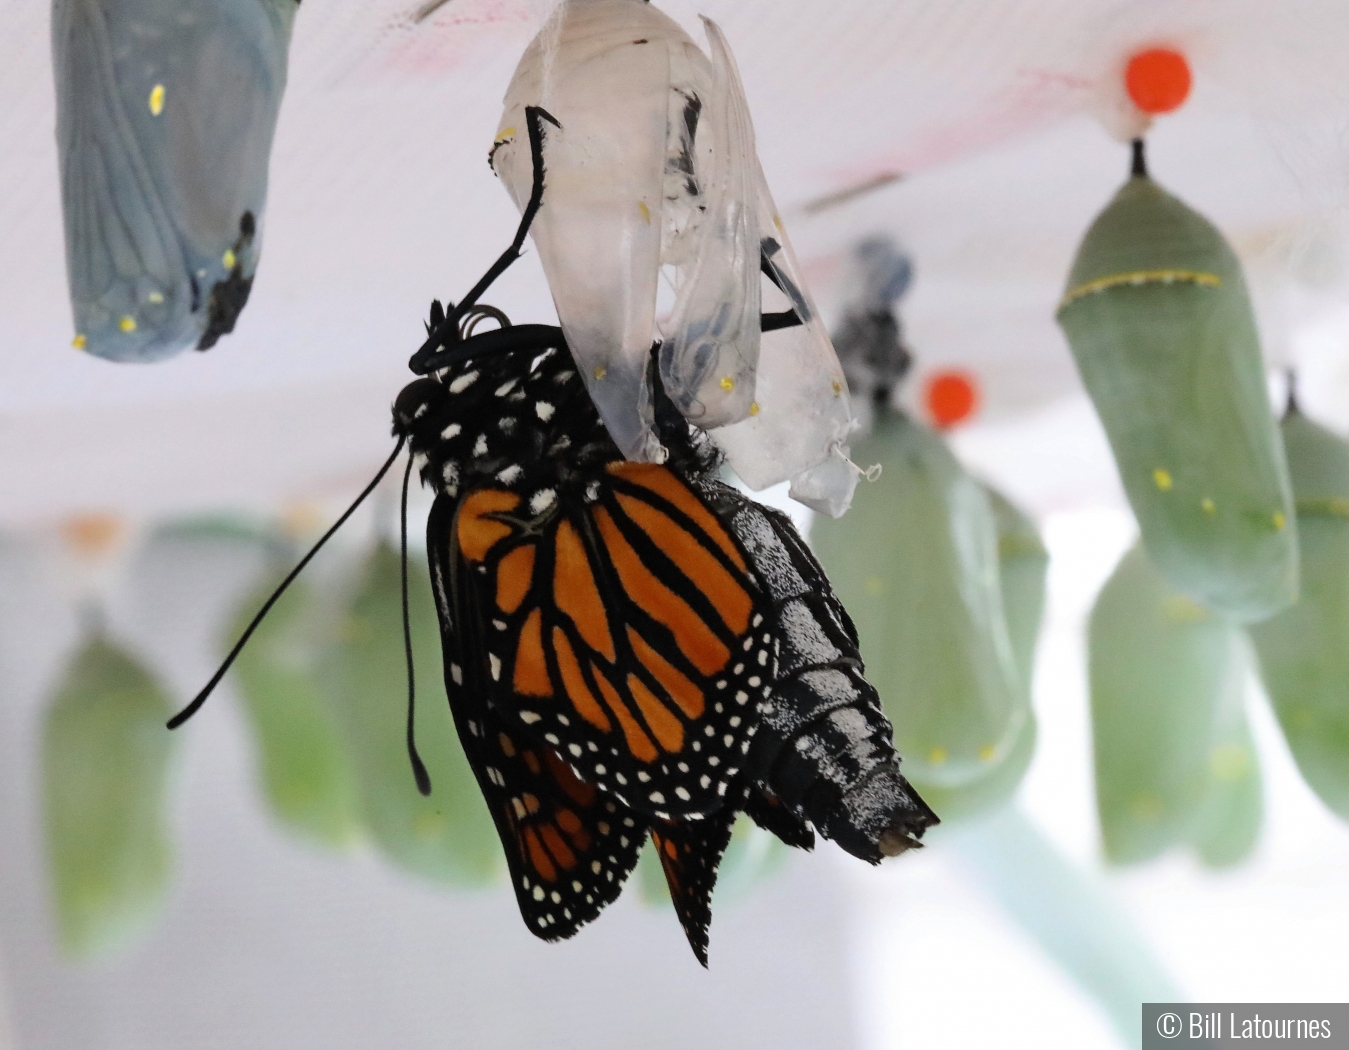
(448, 837)
(1174, 762)
(106, 762)
(654, 167)
(165, 115)
(306, 771)
(1160, 325)
(1304, 651)
(916, 565)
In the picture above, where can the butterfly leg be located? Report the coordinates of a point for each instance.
(444, 329)
(792, 316)
(534, 118)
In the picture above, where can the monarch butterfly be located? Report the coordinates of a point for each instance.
(630, 649)
(164, 120)
(1161, 328)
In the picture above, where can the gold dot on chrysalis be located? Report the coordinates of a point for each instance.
(1146, 808)
(600, 372)
(937, 756)
(1162, 478)
(646, 212)
(127, 324)
(157, 100)
(80, 341)
(727, 383)
(228, 259)
(838, 388)
(155, 297)
(1279, 521)
(1208, 506)
(754, 408)
(987, 753)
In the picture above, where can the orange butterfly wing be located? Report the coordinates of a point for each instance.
(568, 846)
(622, 628)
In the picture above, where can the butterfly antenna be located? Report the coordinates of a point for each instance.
(418, 767)
(192, 708)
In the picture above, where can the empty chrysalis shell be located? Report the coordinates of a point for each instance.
(306, 772)
(448, 837)
(1174, 762)
(916, 565)
(1161, 328)
(1304, 651)
(653, 171)
(106, 762)
(164, 121)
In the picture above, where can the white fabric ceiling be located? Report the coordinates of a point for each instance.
(380, 199)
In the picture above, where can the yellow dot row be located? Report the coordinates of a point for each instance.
(1164, 482)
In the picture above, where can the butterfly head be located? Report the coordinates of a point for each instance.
(416, 401)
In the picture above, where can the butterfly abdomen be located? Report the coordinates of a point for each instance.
(824, 749)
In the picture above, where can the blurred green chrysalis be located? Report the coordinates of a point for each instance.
(1024, 563)
(306, 771)
(164, 118)
(1304, 651)
(1174, 762)
(106, 760)
(448, 836)
(1161, 327)
(915, 562)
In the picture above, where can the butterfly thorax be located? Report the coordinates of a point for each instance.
(515, 419)
(521, 419)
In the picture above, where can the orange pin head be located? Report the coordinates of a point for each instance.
(1158, 80)
(951, 397)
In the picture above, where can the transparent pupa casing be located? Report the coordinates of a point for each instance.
(916, 565)
(164, 121)
(1161, 327)
(448, 837)
(1174, 759)
(106, 770)
(1304, 650)
(654, 169)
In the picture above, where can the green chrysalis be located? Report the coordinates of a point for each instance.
(1023, 562)
(1174, 763)
(449, 836)
(305, 768)
(165, 112)
(1304, 651)
(916, 564)
(1161, 327)
(105, 776)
